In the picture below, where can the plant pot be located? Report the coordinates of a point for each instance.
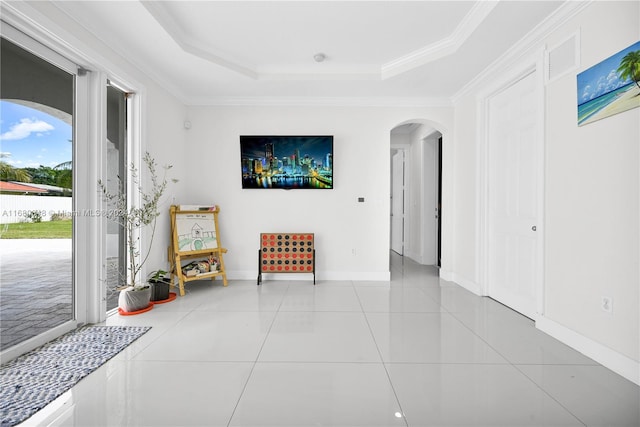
(159, 289)
(134, 299)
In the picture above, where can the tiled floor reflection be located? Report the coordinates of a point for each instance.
(416, 351)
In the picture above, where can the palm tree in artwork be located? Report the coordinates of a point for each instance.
(630, 67)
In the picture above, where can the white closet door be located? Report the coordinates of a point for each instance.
(513, 196)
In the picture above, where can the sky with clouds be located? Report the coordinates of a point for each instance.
(603, 77)
(30, 138)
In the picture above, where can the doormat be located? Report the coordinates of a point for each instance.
(33, 380)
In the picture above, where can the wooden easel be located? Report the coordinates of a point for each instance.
(195, 235)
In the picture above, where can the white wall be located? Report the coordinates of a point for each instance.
(591, 206)
(592, 182)
(464, 269)
(164, 137)
(352, 239)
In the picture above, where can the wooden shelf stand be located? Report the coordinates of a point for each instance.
(195, 235)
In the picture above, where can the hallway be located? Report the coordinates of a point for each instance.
(417, 351)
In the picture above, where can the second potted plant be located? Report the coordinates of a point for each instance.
(159, 283)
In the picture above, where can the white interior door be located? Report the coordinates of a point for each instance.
(397, 202)
(431, 201)
(513, 196)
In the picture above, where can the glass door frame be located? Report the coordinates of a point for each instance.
(129, 131)
(79, 88)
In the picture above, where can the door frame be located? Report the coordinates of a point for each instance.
(403, 152)
(534, 65)
(439, 201)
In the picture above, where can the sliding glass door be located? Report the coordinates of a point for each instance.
(37, 137)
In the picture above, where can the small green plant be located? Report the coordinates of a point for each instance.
(157, 275)
(134, 218)
(35, 216)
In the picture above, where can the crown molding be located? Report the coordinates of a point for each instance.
(417, 58)
(299, 74)
(320, 102)
(444, 47)
(527, 44)
(41, 26)
(123, 52)
(159, 12)
(25, 19)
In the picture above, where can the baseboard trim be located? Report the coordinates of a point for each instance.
(611, 359)
(446, 275)
(467, 284)
(373, 276)
(358, 276)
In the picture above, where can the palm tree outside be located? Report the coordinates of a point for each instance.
(9, 173)
(64, 177)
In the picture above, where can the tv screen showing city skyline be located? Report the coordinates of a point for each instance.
(287, 162)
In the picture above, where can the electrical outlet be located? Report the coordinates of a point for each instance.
(606, 304)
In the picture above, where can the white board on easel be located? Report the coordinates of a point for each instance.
(196, 231)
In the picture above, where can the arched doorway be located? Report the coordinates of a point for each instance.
(416, 187)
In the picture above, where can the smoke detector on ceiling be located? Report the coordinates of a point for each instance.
(319, 57)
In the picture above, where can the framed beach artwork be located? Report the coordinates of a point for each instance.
(610, 87)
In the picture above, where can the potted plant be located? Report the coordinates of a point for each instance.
(134, 295)
(160, 284)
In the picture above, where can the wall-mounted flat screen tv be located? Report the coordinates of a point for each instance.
(287, 162)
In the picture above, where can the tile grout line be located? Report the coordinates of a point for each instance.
(160, 335)
(514, 366)
(255, 362)
(384, 366)
(546, 392)
(509, 362)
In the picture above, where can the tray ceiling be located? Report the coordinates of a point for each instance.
(212, 51)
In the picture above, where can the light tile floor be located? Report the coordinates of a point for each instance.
(417, 351)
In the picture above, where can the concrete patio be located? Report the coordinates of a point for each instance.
(35, 287)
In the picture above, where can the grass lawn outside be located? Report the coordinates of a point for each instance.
(37, 230)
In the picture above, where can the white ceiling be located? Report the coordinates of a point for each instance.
(226, 51)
